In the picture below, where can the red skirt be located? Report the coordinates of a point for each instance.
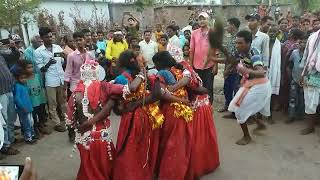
(137, 147)
(205, 152)
(175, 146)
(95, 162)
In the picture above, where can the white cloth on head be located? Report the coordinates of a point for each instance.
(274, 71)
(257, 100)
(311, 99)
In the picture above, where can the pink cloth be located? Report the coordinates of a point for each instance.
(72, 72)
(199, 47)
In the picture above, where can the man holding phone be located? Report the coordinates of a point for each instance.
(49, 60)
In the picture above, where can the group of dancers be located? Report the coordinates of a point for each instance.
(166, 131)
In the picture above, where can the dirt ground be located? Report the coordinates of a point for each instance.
(279, 153)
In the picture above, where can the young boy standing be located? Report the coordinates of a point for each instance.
(296, 100)
(23, 104)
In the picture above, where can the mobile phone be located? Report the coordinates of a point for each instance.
(5, 41)
(57, 55)
(10, 171)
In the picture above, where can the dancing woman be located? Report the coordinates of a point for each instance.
(205, 152)
(176, 132)
(138, 137)
(93, 134)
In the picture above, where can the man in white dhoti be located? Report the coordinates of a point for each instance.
(255, 93)
(310, 79)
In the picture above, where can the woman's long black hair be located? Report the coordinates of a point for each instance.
(127, 60)
(164, 60)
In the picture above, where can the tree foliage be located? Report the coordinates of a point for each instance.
(13, 12)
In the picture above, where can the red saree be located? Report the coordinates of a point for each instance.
(95, 146)
(205, 152)
(137, 144)
(175, 140)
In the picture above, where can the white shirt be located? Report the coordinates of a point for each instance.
(54, 77)
(261, 43)
(148, 50)
(175, 41)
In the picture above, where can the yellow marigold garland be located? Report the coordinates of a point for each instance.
(155, 115)
(152, 110)
(182, 111)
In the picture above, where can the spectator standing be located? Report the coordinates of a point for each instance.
(36, 87)
(49, 60)
(295, 22)
(310, 62)
(315, 25)
(296, 101)
(260, 40)
(283, 30)
(266, 23)
(148, 49)
(287, 47)
(8, 108)
(101, 43)
(75, 60)
(163, 42)
(69, 46)
(115, 47)
(158, 33)
(199, 47)
(23, 104)
(91, 47)
(172, 35)
(10, 53)
(274, 67)
(231, 76)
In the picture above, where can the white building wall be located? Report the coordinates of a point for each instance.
(55, 6)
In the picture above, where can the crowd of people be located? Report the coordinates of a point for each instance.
(161, 85)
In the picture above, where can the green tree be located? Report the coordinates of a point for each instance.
(13, 12)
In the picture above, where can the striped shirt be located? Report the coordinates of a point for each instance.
(6, 79)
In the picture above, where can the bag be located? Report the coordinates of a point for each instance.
(313, 80)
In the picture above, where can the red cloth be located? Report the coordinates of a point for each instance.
(137, 147)
(95, 163)
(205, 151)
(175, 146)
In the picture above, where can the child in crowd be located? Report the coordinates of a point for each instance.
(163, 42)
(296, 100)
(23, 104)
(139, 56)
(38, 97)
(186, 52)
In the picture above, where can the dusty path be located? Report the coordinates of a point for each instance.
(279, 154)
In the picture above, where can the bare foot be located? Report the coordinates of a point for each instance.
(307, 131)
(289, 121)
(244, 140)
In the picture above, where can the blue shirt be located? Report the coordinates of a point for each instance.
(22, 98)
(295, 59)
(167, 76)
(102, 45)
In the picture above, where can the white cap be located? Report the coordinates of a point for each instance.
(204, 14)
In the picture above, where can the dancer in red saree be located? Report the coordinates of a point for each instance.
(205, 152)
(138, 136)
(93, 136)
(176, 132)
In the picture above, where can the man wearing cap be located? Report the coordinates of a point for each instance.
(260, 40)
(116, 46)
(11, 53)
(199, 46)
